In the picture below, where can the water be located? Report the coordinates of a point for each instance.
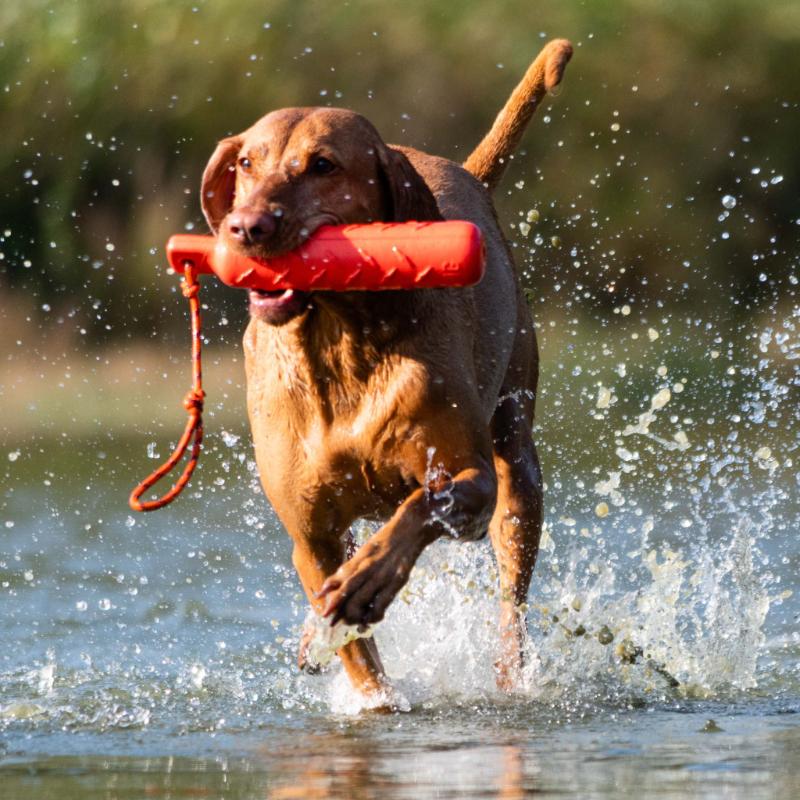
(154, 655)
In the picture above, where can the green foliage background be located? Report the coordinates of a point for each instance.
(110, 110)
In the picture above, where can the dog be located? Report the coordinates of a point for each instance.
(414, 408)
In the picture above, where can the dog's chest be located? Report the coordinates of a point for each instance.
(347, 440)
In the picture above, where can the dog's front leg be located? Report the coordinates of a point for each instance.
(360, 591)
(315, 560)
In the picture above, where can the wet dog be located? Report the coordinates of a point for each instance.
(414, 408)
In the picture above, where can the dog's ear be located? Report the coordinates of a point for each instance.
(219, 182)
(408, 197)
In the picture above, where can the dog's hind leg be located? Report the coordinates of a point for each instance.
(516, 525)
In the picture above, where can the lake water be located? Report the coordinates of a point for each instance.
(153, 656)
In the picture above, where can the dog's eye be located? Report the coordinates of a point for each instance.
(323, 166)
(245, 164)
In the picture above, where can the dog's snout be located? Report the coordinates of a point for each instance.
(252, 227)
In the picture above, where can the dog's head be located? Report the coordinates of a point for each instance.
(268, 189)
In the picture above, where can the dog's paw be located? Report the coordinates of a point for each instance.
(320, 641)
(360, 591)
(305, 662)
(508, 676)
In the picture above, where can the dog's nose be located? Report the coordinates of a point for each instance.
(252, 227)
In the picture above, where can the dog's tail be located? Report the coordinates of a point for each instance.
(489, 159)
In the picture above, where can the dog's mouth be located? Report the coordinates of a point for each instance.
(279, 306)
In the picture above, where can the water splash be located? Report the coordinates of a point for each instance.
(626, 607)
(324, 639)
(692, 627)
(661, 566)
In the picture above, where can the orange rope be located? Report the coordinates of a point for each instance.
(193, 403)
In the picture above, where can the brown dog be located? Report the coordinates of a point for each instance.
(411, 407)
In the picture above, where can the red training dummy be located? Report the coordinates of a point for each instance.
(403, 255)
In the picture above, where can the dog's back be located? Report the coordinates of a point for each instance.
(499, 310)
(492, 308)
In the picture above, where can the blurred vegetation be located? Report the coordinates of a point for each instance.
(111, 109)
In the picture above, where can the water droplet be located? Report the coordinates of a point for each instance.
(729, 201)
(603, 397)
(229, 438)
(660, 399)
(604, 635)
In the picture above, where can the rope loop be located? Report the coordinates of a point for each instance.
(193, 403)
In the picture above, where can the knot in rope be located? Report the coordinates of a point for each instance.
(194, 400)
(190, 290)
